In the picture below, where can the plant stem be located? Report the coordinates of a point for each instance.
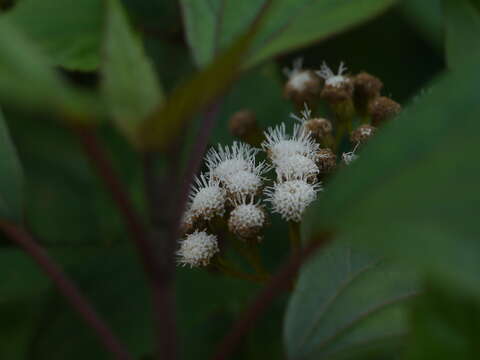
(274, 287)
(195, 160)
(294, 236)
(67, 288)
(159, 200)
(227, 269)
(249, 250)
(157, 275)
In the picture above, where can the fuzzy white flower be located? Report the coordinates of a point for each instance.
(296, 167)
(305, 115)
(291, 198)
(197, 249)
(350, 156)
(332, 79)
(207, 198)
(227, 160)
(366, 131)
(247, 219)
(279, 145)
(243, 183)
(188, 220)
(298, 78)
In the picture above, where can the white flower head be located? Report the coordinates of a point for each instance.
(332, 79)
(207, 198)
(279, 145)
(243, 183)
(247, 219)
(366, 131)
(227, 160)
(188, 220)
(296, 167)
(350, 156)
(197, 249)
(291, 198)
(305, 115)
(298, 78)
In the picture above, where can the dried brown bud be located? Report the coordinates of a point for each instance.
(302, 87)
(382, 109)
(242, 123)
(362, 134)
(367, 86)
(339, 92)
(327, 160)
(319, 127)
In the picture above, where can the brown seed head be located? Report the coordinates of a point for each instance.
(362, 134)
(302, 87)
(319, 127)
(367, 86)
(242, 123)
(335, 94)
(327, 160)
(382, 109)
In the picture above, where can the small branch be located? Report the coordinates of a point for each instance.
(99, 160)
(195, 160)
(278, 284)
(294, 235)
(67, 288)
(159, 275)
(159, 195)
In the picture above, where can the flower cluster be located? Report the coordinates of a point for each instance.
(294, 158)
(230, 187)
(231, 192)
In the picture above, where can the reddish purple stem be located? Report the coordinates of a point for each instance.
(282, 281)
(68, 289)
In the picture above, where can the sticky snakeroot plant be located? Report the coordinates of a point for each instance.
(230, 202)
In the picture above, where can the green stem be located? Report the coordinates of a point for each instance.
(294, 235)
(222, 265)
(255, 258)
(249, 250)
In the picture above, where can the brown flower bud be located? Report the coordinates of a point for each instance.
(242, 122)
(362, 134)
(382, 109)
(338, 93)
(367, 86)
(327, 160)
(302, 87)
(319, 127)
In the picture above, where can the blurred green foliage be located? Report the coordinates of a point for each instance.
(410, 197)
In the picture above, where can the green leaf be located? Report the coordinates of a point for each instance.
(428, 18)
(28, 79)
(347, 303)
(462, 21)
(69, 31)
(130, 85)
(444, 326)
(167, 122)
(11, 183)
(290, 24)
(413, 193)
(115, 283)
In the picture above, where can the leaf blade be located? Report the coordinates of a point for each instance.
(129, 85)
(346, 298)
(68, 31)
(11, 185)
(414, 185)
(289, 24)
